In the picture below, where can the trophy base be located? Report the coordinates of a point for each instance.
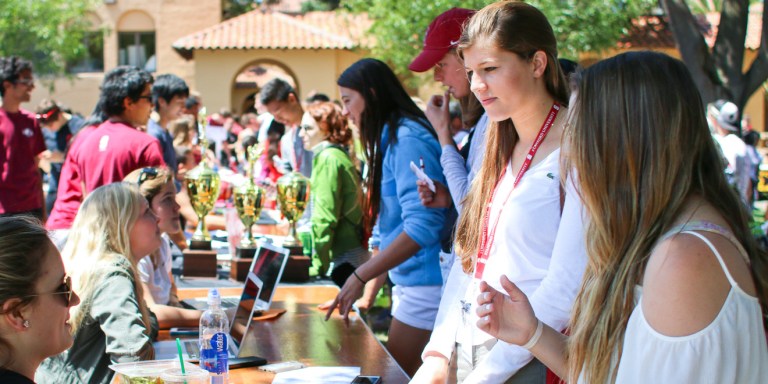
(202, 245)
(297, 267)
(295, 250)
(238, 269)
(245, 253)
(199, 263)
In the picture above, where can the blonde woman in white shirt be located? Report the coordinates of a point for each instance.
(511, 219)
(675, 289)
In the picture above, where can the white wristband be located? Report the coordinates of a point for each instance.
(536, 335)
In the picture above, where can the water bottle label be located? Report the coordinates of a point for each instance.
(215, 359)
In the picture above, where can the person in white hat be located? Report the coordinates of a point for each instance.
(724, 117)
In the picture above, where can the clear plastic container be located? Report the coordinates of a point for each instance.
(147, 372)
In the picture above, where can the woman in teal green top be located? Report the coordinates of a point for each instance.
(336, 193)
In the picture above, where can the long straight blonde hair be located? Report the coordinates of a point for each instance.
(521, 29)
(639, 147)
(99, 244)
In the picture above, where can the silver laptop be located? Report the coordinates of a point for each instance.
(239, 323)
(267, 267)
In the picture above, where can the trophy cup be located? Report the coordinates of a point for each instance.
(202, 185)
(293, 196)
(249, 199)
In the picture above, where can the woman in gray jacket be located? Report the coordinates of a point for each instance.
(112, 231)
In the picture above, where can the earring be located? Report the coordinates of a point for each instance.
(25, 324)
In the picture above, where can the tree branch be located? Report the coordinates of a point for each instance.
(692, 46)
(728, 51)
(758, 71)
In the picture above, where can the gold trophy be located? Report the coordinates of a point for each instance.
(293, 196)
(249, 199)
(202, 185)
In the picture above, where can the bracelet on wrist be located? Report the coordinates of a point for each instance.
(536, 335)
(358, 277)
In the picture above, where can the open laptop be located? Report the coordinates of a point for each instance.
(267, 267)
(239, 324)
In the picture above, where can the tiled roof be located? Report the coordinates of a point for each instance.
(654, 31)
(648, 32)
(276, 30)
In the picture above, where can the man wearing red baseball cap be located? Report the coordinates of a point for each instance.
(442, 36)
(439, 52)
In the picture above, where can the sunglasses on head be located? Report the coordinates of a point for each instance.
(64, 289)
(27, 82)
(147, 174)
(44, 117)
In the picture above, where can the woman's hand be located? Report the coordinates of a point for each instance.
(350, 292)
(508, 318)
(325, 306)
(440, 118)
(363, 304)
(441, 198)
(434, 370)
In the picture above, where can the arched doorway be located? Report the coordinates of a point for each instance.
(252, 77)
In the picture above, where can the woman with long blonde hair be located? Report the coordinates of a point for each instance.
(516, 219)
(675, 288)
(112, 231)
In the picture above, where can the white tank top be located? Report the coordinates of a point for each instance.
(731, 349)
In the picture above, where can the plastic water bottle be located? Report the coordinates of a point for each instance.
(214, 335)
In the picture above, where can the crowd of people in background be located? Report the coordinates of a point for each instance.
(536, 221)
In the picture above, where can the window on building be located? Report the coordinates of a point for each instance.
(137, 49)
(93, 61)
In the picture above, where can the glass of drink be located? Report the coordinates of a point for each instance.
(192, 376)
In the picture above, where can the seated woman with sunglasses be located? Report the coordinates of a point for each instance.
(158, 188)
(113, 230)
(35, 296)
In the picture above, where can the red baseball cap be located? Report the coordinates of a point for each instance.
(442, 35)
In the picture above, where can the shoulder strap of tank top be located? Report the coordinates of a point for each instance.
(717, 255)
(706, 226)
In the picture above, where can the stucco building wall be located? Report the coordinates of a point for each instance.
(313, 70)
(170, 19)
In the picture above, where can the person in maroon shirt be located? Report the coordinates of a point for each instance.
(111, 151)
(70, 185)
(21, 191)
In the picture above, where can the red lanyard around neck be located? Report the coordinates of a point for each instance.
(486, 242)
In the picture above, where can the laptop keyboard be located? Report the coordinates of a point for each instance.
(230, 301)
(193, 349)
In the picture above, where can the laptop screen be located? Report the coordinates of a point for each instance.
(268, 266)
(244, 310)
